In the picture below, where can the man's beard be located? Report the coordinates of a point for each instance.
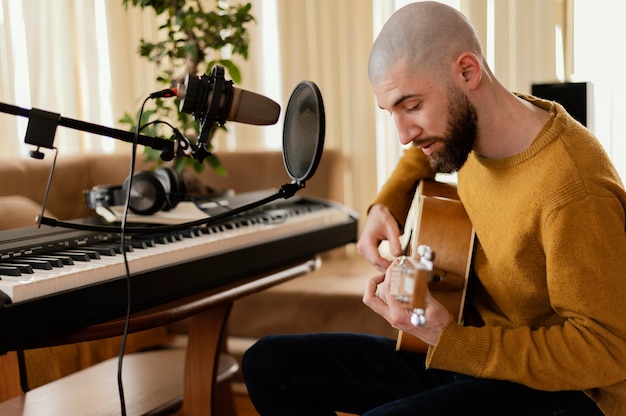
(459, 138)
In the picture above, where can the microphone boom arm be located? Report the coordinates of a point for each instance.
(48, 122)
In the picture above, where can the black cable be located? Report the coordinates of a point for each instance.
(157, 122)
(286, 191)
(120, 383)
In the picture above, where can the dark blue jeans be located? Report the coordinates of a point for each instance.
(318, 374)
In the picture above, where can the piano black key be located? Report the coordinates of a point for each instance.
(105, 250)
(76, 255)
(168, 238)
(141, 244)
(214, 229)
(35, 264)
(161, 239)
(177, 236)
(54, 262)
(190, 233)
(9, 271)
(117, 248)
(91, 253)
(65, 260)
(22, 267)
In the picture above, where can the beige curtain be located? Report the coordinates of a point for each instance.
(260, 67)
(56, 59)
(518, 38)
(328, 41)
(132, 77)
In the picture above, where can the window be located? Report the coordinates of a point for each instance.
(599, 34)
(56, 58)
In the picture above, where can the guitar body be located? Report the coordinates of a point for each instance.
(437, 219)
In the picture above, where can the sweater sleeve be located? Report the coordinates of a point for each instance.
(398, 191)
(583, 344)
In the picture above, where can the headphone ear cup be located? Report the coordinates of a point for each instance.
(175, 189)
(149, 192)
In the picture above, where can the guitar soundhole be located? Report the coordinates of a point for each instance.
(436, 278)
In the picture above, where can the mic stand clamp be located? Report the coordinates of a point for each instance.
(288, 190)
(201, 152)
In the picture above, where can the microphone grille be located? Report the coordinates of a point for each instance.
(252, 108)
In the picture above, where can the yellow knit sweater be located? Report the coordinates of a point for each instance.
(547, 304)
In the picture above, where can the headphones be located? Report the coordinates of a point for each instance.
(151, 191)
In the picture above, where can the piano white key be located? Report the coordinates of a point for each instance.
(7, 287)
(85, 275)
(45, 282)
(64, 280)
(42, 284)
(114, 266)
(18, 290)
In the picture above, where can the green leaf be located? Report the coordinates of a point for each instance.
(233, 70)
(189, 38)
(213, 161)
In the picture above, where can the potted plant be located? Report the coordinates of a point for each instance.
(193, 41)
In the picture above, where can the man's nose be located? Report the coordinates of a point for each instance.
(407, 129)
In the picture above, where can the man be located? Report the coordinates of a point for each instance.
(544, 330)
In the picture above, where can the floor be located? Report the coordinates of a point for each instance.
(243, 406)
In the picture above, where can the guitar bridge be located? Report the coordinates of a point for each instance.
(403, 279)
(409, 281)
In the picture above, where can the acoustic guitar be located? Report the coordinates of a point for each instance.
(439, 240)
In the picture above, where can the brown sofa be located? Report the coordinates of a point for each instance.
(328, 299)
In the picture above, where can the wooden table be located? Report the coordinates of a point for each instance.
(208, 314)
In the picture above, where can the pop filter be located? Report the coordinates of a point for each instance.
(303, 132)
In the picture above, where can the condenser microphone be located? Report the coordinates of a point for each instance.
(212, 99)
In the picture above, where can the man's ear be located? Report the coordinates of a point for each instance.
(469, 68)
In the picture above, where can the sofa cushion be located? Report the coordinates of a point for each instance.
(18, 211)
(327, 300)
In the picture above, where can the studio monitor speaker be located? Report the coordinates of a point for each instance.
(576, 97)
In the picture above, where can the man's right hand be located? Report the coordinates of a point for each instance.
(379, 226)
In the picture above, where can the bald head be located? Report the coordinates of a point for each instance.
(425, 36)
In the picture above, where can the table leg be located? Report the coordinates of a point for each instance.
(206, 338)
